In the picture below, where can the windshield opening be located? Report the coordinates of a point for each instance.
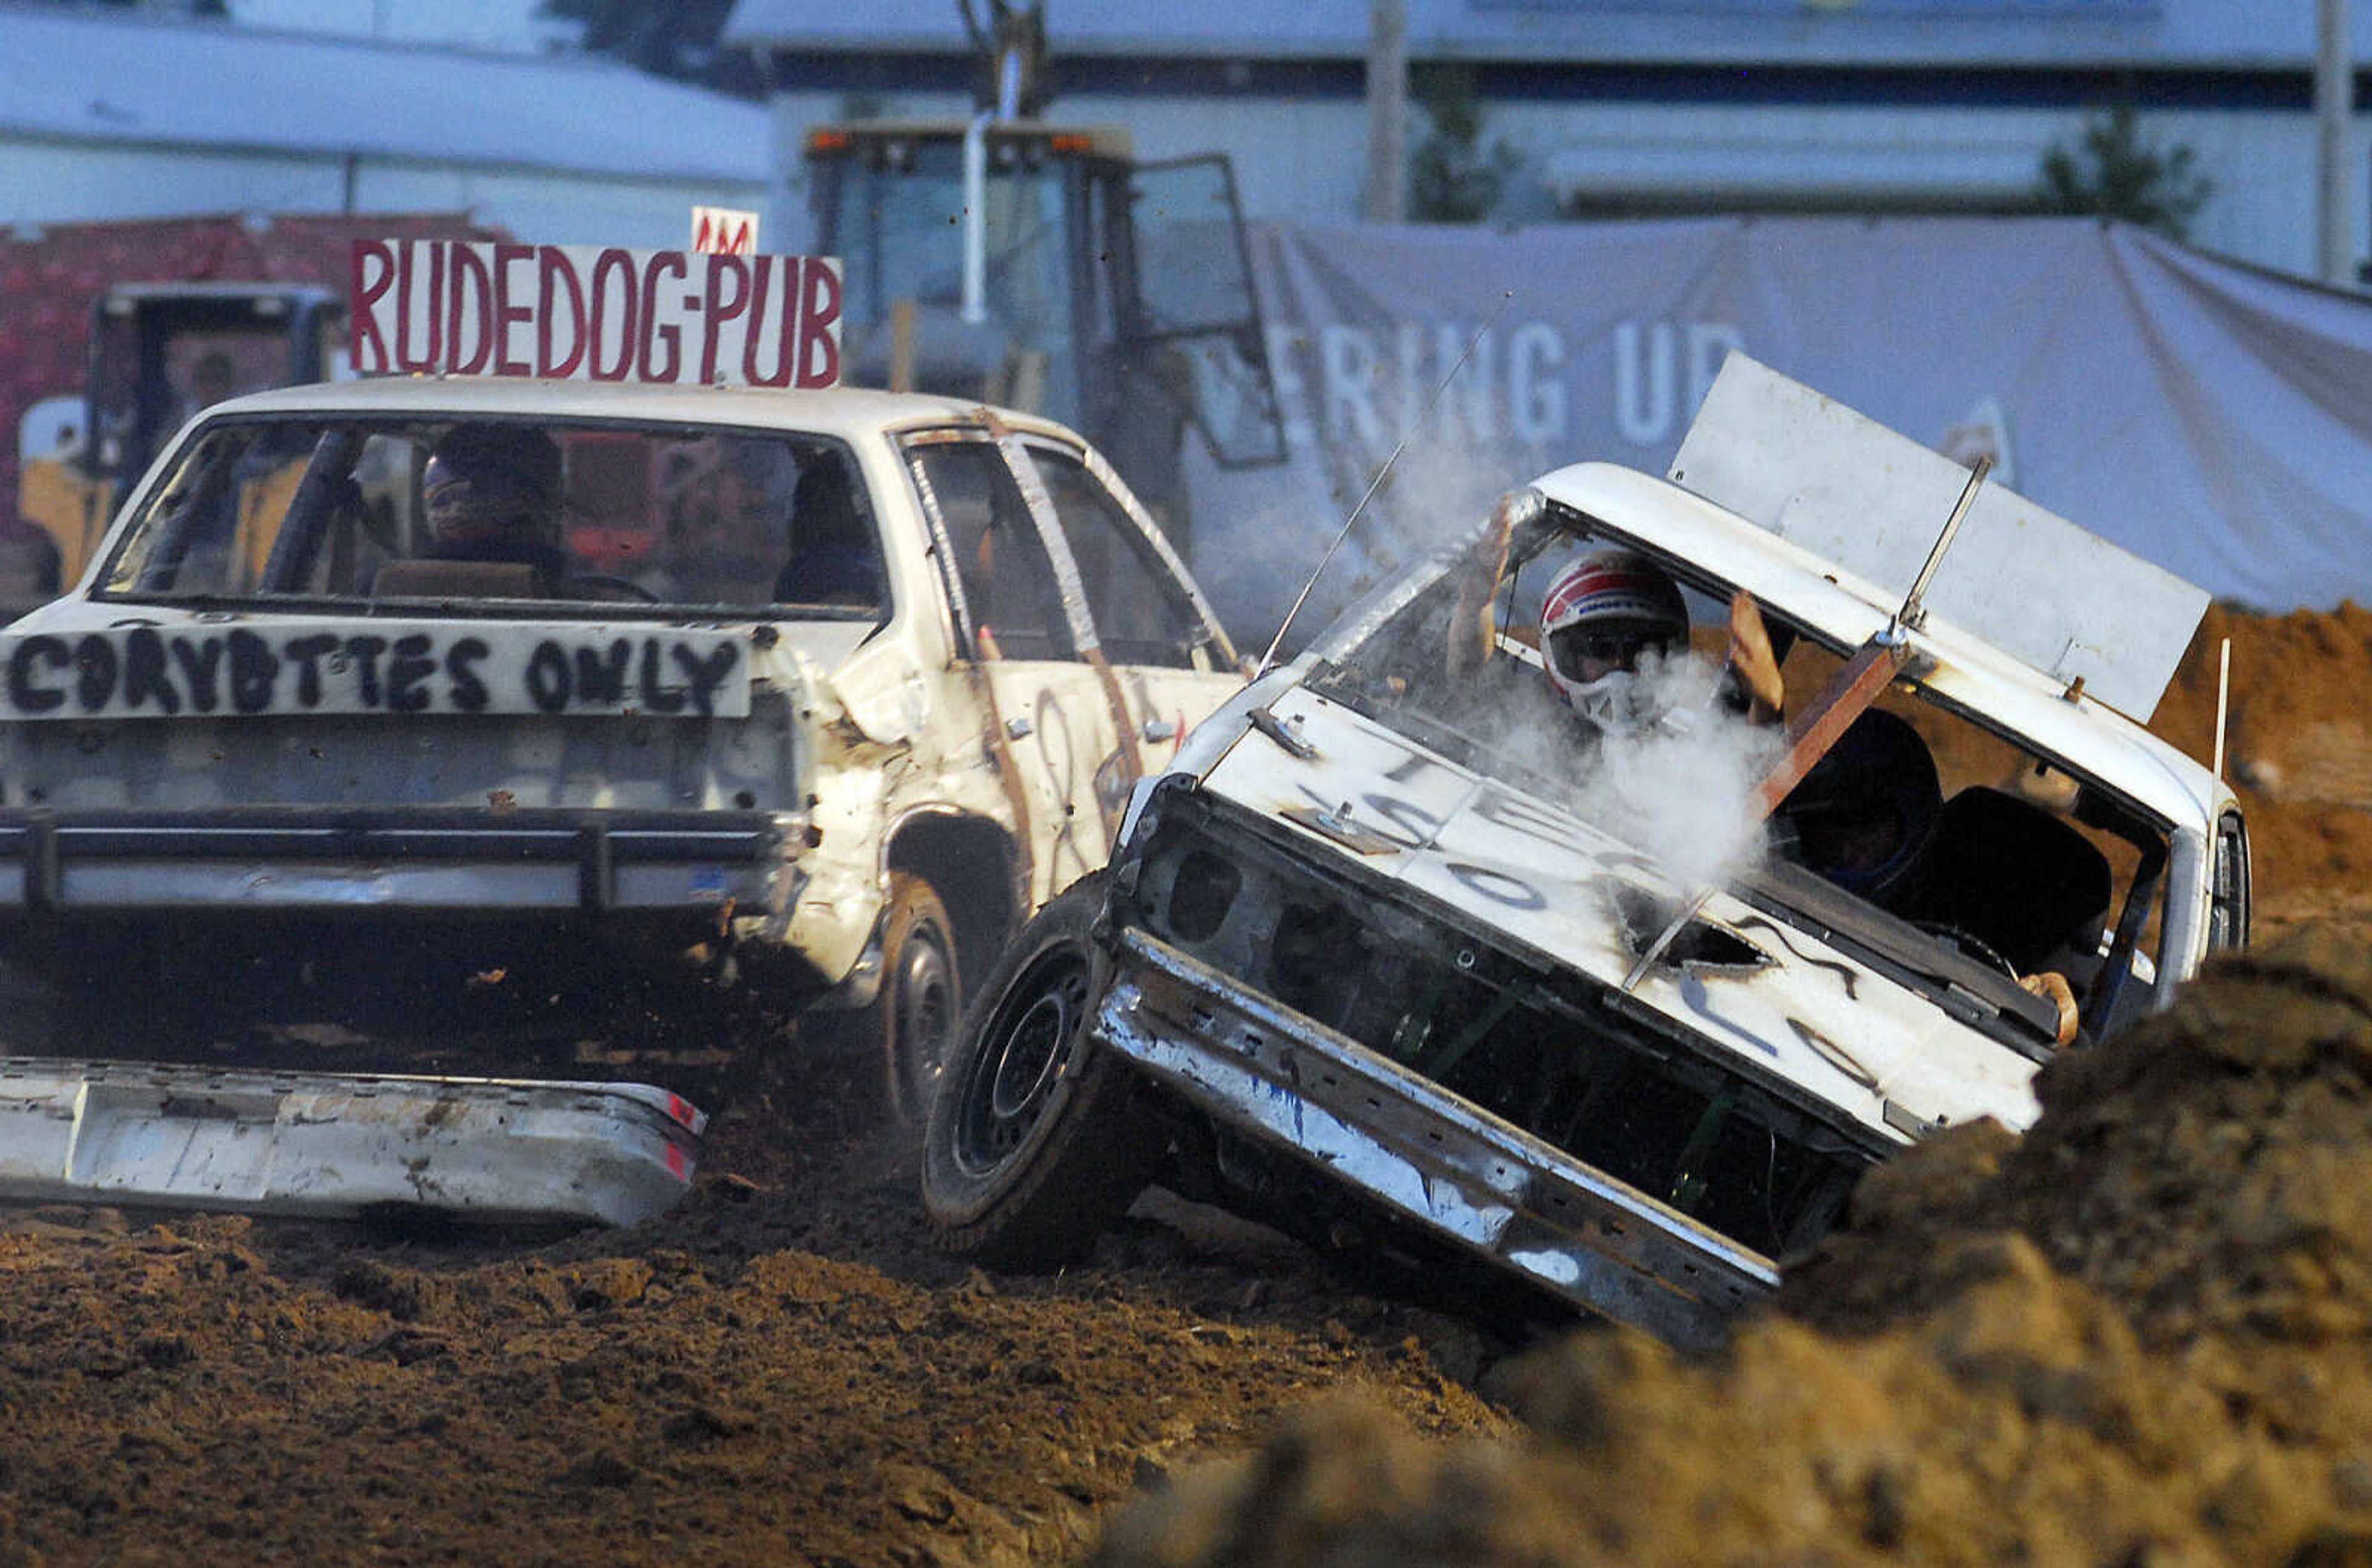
(1944, 853)
(454, 512)
(895, 214)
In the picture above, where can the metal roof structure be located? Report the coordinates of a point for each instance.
(2177, 34)
(78, 76)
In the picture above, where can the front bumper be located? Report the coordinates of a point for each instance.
(431, 860)
(1427, 1155)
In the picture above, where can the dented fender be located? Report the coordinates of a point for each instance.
(854, 750)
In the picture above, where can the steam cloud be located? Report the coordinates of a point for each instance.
(1680, 790)
(1258, 533)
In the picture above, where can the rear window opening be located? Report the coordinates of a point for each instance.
(478, 513)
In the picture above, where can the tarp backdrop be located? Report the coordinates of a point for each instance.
(2214, 419)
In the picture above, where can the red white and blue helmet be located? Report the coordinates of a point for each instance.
(1609, 607)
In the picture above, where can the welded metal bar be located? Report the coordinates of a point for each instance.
(1915, 605)
(1845, 698)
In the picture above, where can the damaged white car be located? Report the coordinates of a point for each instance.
(1403, 950)
(821, 690)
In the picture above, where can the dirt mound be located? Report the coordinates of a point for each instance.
(2142, 1334)
(2298, 748)
(2140, 1337)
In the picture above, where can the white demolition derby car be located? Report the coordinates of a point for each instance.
(826, 690)
(1397, 952)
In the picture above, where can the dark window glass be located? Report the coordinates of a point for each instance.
(1008, 586)
(1141, 613)
(460, 509)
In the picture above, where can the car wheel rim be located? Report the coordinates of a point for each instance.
(925, 1013)
(1027, 1049)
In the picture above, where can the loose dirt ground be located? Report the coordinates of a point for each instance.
(2140, 1336)
(784, 1369)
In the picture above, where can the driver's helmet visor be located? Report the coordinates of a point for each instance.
(1589, 650)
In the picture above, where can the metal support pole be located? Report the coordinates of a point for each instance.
(1386, 112)
(2334, 111)
(974, 308)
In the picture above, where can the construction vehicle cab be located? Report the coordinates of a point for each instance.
(1043, 267)
(159, 352)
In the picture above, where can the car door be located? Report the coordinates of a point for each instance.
(1171, 661)
(1025, 641)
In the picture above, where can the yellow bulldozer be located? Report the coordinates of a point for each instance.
(158, 352)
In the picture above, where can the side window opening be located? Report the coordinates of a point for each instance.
(1142, 614)
(1008, 588)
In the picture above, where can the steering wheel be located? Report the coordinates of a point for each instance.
(623, 588)
(1974, 946)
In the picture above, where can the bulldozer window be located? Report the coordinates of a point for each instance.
(898, 222)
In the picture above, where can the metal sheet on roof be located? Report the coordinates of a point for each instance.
(1849, 490)
(2004, 32)
(139, 81)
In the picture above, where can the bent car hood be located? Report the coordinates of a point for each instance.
(1501, 858)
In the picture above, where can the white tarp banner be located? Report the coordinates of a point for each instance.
(2212, 419)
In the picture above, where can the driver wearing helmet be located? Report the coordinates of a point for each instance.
(1860, 818)
(492, 493)
(1611, 620)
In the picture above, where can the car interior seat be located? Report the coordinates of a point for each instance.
(834, 557)
(2008, 872)
(455, 579)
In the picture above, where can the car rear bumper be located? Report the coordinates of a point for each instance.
(58, 865)
(1425, 1153)
(338, 1145)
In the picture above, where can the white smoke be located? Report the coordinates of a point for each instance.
(1677, 793)
(1260, 533)
(1679, 790)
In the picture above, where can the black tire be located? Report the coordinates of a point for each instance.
(896, 1044)
(1035, 1145)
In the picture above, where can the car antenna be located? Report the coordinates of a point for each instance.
(1268, 658)
(2223, 702)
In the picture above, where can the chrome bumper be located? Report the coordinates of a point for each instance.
(1423, 1152)
(335, 1146)
(118, 862)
